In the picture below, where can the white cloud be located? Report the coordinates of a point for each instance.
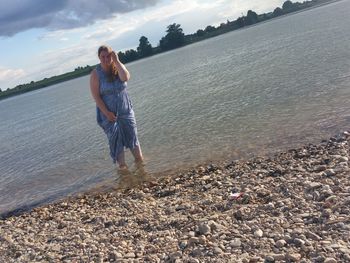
(6, 74)
(9, 77)
(234, 9)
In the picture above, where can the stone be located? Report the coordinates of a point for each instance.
(196, 252)
(130, 255)
(299, 242)
(294, 214)
(217, 250)
(235, 243)
(312, 235)
(193, 240)
(278, 257)
(280, 243)
(258, 233)
(204, 229)
(294, 257)
(329, 172)
(175, 255)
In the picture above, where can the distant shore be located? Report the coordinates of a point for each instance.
(291, 207)
(83, 71)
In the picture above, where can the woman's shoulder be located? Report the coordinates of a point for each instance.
(94, 73)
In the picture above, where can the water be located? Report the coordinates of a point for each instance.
(269, 87)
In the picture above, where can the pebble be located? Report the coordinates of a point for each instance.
(294, 207)
(235, 243)
(258, 233)
(280, 243)
(294, 257)
(204, 229)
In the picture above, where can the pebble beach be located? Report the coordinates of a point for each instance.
(293, 206)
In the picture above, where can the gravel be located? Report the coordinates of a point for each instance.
(290, 207)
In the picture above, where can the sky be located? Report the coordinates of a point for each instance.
(40, 38)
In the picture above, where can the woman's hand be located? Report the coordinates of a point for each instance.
(111, 116)
(123, 73)
(115, 57)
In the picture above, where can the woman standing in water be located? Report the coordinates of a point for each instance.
(115, 113)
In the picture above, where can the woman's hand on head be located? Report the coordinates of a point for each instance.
(111, 116)
(115, 57)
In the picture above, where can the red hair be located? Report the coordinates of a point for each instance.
(113, 72)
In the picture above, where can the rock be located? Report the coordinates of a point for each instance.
(278, 257)
(299, 242)
(297, 211)
(203, 229)
(115, 256)
(236, 243)
(312, 185)
(294, 257)
(217, 250)
(312, 235)
(193, 240)
(175, 255)
(269, 258)
(196, 252)
(330, 260)
(258, 233)
(280, 243)
(130, 255)
(329, 172)
(340, 158)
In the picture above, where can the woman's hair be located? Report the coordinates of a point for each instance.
(113, 72)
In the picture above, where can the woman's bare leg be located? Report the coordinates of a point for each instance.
(121, 161)
(137, 153)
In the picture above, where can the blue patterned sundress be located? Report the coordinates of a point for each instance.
(122, 133)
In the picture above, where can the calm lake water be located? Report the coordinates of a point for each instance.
(255, 91)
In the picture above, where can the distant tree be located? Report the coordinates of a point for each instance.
(209, 29)
(0, 90)
(121, 57)
(200, 32)
(131, 55)
(174, 37)
(278, 12)
(252, 17)
(240, 22)
(145, 48)
(287, 6)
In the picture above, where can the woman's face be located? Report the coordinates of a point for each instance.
(105, 58)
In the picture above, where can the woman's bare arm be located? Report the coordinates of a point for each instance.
(123, 73)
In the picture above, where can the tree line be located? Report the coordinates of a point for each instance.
(174, 38)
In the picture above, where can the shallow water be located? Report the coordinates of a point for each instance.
(269, 87)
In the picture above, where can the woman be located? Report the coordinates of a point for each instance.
(114, 109)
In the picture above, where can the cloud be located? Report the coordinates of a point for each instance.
(8, 77)
(17, 16)
(6, 74)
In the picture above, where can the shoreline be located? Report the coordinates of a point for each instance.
(293, 206)
(71, 75)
